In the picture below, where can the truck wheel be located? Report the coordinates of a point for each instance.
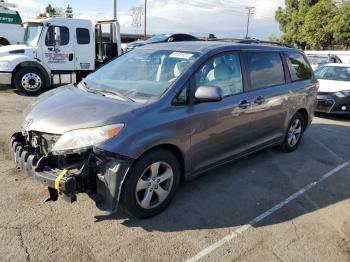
(30, 81)
(4, 42)
(151, 184)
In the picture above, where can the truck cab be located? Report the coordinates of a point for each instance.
(58, 51)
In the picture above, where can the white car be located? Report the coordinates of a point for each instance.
(11, 26)
(334, 92)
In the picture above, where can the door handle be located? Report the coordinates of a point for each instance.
(259, 100)
(71, 56)
(243, 104)
(50, 49)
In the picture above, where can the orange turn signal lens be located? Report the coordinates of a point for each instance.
(114, 131)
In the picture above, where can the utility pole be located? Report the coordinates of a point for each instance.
(145, 23)
(250, 12)
(114, 9)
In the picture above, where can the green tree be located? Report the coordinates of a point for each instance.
(341, 25)
(291, 19)
(317, 27)
(274, 38)
(284, 15)
(51, 11)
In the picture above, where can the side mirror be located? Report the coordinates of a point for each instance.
(57, 37)
(208, 94)
(171, 39)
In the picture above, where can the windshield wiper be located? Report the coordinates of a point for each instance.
(106, 91)
(112, 92)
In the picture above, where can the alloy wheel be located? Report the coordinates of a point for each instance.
(154, 185)
(31, 82)
(294, 132)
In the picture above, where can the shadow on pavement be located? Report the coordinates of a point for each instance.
(234, 194)
(339, 117)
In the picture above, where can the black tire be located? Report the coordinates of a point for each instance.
(4, 42)
(129, 194)
(33, 74)
(287, 146)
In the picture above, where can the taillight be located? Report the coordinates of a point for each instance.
(20, 19)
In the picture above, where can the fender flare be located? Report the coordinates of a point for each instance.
(35, 65)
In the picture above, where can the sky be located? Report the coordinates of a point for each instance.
(224, 18)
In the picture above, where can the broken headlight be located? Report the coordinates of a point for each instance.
(81, 139)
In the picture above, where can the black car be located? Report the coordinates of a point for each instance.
(162, 38)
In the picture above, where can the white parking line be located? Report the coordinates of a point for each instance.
(254, 221)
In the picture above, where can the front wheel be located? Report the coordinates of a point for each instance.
(151, 184)
(294, 133)
(30, 81)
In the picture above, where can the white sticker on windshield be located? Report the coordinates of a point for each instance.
(181, 55)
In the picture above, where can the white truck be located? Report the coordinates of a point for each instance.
(58, 51)
(11, 26)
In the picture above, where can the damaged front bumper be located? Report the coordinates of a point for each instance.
(98, 173)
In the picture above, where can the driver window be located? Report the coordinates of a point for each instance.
(50, 35)
(223, 71)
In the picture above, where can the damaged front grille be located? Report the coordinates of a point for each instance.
(41, 145)
(40, 142)
(96, 172)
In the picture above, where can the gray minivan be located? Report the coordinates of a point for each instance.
(164, 113)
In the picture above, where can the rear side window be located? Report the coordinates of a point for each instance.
(265, 69)
(83, 36)
(298, 67)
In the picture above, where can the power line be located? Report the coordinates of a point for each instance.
(231, 7)
(206, 5)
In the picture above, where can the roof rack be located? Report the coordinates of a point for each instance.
(256, 41)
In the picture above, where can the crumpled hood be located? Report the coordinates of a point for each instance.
(333, 86)
(68, 108)
(17, 49)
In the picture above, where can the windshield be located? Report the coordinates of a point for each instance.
(32, 34)
(141, 74)
(158, 38)
(333, 73)
(314, 60)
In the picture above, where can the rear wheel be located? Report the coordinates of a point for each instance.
(30, 81)
(151, 184)
(294, 133)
